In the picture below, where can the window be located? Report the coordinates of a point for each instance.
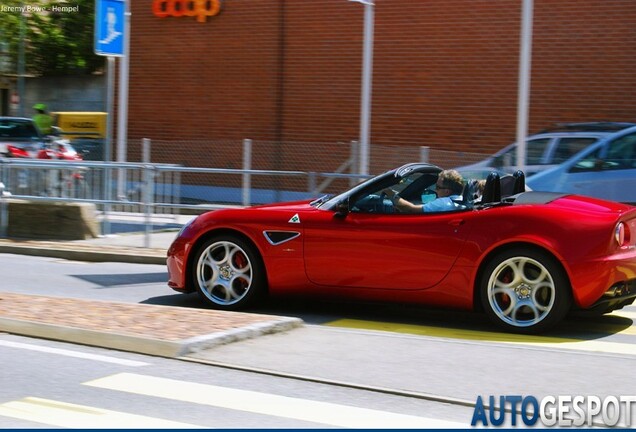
(568, 147)
(535, 149)
(621, 154)
(18, 129)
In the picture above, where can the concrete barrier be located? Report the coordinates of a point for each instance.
(51, 220)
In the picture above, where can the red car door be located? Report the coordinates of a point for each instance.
(392, 251)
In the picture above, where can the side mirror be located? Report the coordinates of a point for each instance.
(342, 208)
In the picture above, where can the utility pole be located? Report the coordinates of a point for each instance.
(367, 80)
(21, 66)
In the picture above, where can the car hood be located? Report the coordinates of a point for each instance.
(287, 206)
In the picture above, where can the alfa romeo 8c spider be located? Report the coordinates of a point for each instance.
(524, 258)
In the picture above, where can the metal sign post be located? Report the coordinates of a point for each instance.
(122, 117)
(111, 34)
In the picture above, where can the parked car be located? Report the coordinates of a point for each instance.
(19, 138)
(59, 150)
(551, 147)
(606, 170)
(525, 258)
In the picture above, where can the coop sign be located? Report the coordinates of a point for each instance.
(201, 9)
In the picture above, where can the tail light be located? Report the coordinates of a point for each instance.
(622, 234)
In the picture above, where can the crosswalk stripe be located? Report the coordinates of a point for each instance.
(66, 415)
(264, 403)
(70, 353)
(484, 336)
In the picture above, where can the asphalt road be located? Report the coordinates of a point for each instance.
(62, 385)
(400, 360)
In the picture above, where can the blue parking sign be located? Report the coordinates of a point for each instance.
(110, 19)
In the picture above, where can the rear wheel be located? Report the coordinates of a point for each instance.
(525, 291)
(228, 273)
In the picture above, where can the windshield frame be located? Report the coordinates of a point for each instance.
(397, 173)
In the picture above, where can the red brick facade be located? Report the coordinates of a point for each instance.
(445, 72)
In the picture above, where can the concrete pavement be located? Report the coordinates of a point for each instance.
(129, 243)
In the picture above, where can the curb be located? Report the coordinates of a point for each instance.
(83, 255)
(201, 343)
(145, 345)
(158, 330)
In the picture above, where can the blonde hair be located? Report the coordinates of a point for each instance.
(452, 180)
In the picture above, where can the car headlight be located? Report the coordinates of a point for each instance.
(186, 225)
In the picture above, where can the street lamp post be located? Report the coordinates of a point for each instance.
(21, 66)
(367, 79)
(523, 99)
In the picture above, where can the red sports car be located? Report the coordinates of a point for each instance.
(524, 258)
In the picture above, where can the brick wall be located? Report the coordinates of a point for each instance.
(445, 74)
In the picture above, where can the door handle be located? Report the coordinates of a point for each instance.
(456, 222)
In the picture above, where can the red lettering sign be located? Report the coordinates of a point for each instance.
(190, 8)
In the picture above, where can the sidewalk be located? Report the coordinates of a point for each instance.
(113, 248)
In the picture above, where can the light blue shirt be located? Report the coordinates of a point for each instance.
(448, 203)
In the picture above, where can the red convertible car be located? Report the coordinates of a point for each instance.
(525, 258)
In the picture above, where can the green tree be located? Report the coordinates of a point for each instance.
(56, 42)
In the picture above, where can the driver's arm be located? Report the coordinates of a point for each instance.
(402, 205)
(405, 206)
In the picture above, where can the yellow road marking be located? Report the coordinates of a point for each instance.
(68, 415)
(265, 403)
(485, 336)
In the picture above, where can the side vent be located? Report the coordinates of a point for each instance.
(279, 237)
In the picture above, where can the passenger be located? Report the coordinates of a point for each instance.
(449, 188)
(478, 193)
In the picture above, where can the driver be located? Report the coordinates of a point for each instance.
(449, 188)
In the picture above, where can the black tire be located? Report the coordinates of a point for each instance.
(228, 273)
(525, 291)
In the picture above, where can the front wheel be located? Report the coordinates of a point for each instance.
(228, 273)
(525, 291)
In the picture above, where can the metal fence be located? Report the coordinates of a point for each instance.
(256, 171)
(298, 155)
(172, 189)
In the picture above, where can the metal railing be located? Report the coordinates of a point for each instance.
(150, 189)
(170, 189)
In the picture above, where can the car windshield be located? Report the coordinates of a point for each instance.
(18, 129)
(416, 187)
(330, 200)
(319, 201)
